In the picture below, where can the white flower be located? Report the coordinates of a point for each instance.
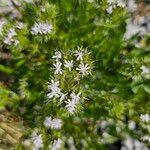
(146, 138)
(47, 122)
(109, 9)
(54, 90)
(27, 143)
(145, 70)
(145, 117)
(53, 85)
(131, 125)
(113, 3)
(56, 123)
(56, 145)
(58, 69)
(83, 69)
(121, 3)
(70, 106)
(53, 94)
(37, 141)
(110, 1)
(9, 39)
(75, 97)
(52, 123)
(11, 32)
(41, 28)
(79, 54)
(57, 55)
(68, 64)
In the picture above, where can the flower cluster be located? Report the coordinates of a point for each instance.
(9, 39)
(73, 66)
(113, 3)
(41, 28)
(52, 123)
(11, 35)
(82, 68)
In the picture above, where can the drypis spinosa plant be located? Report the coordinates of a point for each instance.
(71, 75)
(65, 86)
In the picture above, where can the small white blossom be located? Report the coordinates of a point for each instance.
(71, 103)
(52, 123)
(57, 55)
(70, 106)
(121, 3)
(145, 117)
(37, 141)
(58, 69)
(110, 1)
(53, 94)
(47, 122)
(68, 64)
(54, 90)
(146, 138)
(53, 85)
(11, 32)
(83, 69)
(113, 3)
(56, 145)
(75, 97)
(109, 9)
(41, 28)
(56, 123)
(79, 54)
(131, 125)
(9, 39)
(27, 143)
(145, 70)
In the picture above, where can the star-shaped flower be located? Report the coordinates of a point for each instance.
(58, 69)
(68, 64)
(83, 69)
